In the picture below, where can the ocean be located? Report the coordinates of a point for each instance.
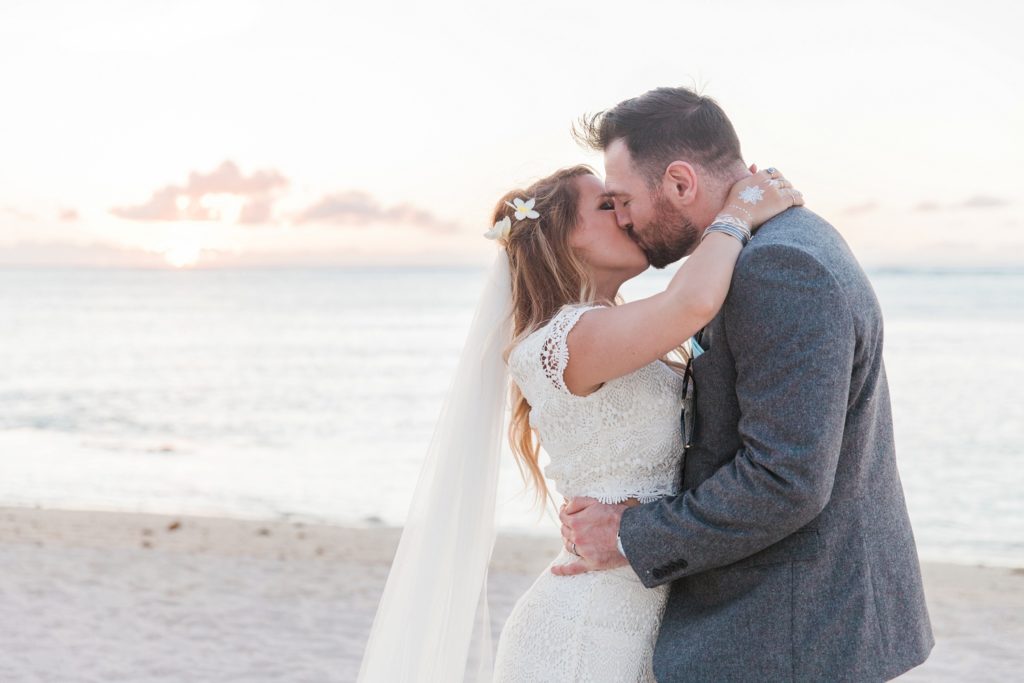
(312, 394)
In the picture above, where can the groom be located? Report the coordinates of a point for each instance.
(789, 551)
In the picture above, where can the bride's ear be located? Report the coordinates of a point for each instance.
(680, 182)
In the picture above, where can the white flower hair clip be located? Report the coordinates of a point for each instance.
(503, 228)
(524, 209)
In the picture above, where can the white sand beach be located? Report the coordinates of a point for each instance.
(106, 596)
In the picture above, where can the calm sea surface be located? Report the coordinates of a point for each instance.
(312, 394)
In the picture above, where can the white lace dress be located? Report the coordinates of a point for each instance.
(622, 441)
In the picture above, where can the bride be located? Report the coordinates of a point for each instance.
(592, 384)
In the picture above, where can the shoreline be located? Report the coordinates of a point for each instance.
(103, 595)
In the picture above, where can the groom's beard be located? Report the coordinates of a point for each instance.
(669, 236)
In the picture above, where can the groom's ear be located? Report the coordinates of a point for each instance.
(680, 182)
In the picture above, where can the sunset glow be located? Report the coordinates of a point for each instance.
(179, 258)
(393, 144)
(182, 252)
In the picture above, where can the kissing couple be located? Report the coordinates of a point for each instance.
(733, 509)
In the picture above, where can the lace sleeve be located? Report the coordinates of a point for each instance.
(554, 349)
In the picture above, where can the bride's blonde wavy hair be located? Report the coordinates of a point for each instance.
(546, 275)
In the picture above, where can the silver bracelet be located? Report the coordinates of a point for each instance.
(730, 225)
(728, 230)
(729, 219)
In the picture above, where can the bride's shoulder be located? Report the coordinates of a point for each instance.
(561, 322)
(546, 346)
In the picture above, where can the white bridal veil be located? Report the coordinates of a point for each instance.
(434, 604)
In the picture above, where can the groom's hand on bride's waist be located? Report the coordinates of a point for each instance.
(593, 527)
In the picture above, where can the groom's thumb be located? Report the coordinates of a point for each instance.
(578, 503)
(569, 569)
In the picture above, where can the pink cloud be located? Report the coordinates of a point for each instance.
(228, 179)
(975, 202)
(985, 202)
(175, 202)
(256, 211)
(356, 208)
(260, 190)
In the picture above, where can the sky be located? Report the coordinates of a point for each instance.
(196, 134)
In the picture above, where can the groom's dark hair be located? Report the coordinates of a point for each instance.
(661, 126)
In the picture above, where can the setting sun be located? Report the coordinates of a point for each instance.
(181, 253)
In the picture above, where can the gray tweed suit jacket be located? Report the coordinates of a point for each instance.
(789, 552)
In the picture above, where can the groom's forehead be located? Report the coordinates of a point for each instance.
(615, 189)
(618, 169)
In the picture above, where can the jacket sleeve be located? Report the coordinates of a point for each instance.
(790, 331)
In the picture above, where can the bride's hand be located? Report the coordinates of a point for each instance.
(760, 197)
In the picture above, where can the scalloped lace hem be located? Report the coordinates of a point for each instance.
(612, 499)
